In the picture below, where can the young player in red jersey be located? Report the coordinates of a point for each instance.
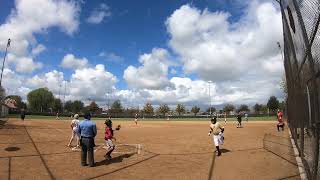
(280, 120)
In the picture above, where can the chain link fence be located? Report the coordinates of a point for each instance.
(302, 66)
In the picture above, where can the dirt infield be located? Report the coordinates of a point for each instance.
(170, 150)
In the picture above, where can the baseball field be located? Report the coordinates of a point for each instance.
(37, 149)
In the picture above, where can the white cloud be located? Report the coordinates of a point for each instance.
(93, 83)
(112, 57)
(24, 64)
(99, 14)
(38, 49)
(70, 61)
(241, 58)
(14, 83)
(216, 49)
(30, 17)
(153, 72)
(53, 80)
(87, 83)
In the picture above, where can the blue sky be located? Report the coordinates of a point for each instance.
(143, 40)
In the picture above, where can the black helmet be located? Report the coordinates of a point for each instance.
(108, 122)
(214, 120)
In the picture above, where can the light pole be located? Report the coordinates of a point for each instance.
(4, 59)
(210, 98)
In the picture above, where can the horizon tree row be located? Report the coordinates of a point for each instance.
(43, 100)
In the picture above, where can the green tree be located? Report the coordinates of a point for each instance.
(2, 94)
(77, 106)
(163, 109)
(148, 109)
(243, 108)
(40, 99)
(282, 105)
(257, 108)
(195, 110)
(68, 106)
(273, 103)
(116, 107)
(57, 105)
(213, 110)
(264, 109)
(228, 108)
(93, 107)
(180, 109)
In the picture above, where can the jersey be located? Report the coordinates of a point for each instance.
(108, 133)
(279, 116)
(75, 124)
(216, 128)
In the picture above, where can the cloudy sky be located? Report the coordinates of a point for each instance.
(146, 51)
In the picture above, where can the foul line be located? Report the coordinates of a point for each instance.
(288, 177)
(44, 163)
(212, 166)
(301, 168)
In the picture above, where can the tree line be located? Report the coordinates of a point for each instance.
(43, 101)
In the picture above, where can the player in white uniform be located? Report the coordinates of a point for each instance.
(217, 130)
(74, 126)
(136, 119)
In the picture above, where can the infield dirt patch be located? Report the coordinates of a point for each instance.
(170, 150)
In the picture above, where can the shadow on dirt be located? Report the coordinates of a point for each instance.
(117, 159)
(225, 150)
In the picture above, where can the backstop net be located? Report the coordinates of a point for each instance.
(302, 67)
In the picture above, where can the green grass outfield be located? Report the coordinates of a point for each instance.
(262, 118)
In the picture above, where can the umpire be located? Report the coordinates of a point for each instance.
(87, 130)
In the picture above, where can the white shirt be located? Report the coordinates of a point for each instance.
(75, 124)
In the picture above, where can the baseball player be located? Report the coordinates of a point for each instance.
(136, 119)
(239, 125)
(109, 138)
(217, 130)
(74, 126)
(280, 121)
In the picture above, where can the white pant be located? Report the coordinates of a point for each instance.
(218, 139)
(109, 144)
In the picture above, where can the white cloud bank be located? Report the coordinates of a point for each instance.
(71, 62)
(30, 17)
(241, 58)
(152, 74)
(216, 49)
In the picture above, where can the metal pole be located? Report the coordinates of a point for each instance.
(4, 59)
(309, 105)
(210, 99)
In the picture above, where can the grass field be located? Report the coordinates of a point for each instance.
(170, 150)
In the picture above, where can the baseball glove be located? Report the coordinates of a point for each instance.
(118, 127)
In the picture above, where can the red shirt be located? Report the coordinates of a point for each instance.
(279, 114)
(108, 133)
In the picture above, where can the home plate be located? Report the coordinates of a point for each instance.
(75, 149)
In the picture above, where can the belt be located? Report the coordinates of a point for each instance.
(86, 137)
